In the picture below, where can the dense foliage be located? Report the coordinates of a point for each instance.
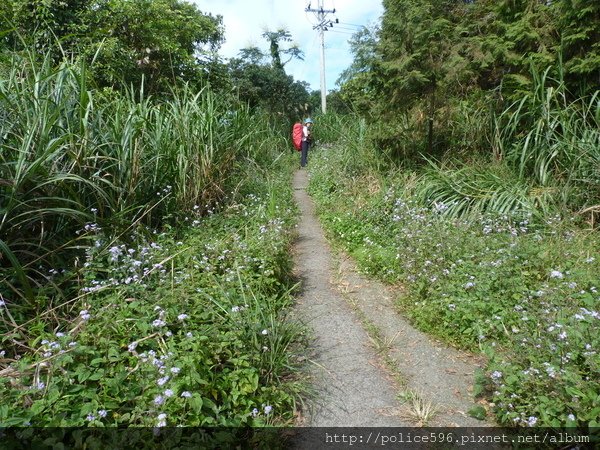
(261, 81)
(520, 288)
(185, 329)
(433, 62)
(510, 84)
(145, 209)
(145, 218)
(473, 181)
(163, 42)
(71, 157)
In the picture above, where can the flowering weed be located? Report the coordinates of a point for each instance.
(521, 289)
(185, 328)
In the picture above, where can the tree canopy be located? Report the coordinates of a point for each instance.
(162, 41)
(434, 59)
(260, 77)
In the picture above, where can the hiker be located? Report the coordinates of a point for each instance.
(306, 141)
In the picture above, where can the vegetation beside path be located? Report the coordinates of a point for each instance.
(518, 286)
(148, 271)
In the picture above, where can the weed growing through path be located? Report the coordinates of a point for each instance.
(420, 410)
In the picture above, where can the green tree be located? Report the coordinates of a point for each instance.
(261, 80)
(39, 21)
(275, 38)
(415, 49)
(357, 81)
(579, 22)
(163, 41)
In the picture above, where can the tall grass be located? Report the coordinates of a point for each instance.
(72, 158)
(553, 140)
(351, 133)
(475, 189)
(546, 160)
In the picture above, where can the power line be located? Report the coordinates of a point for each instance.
(342, 32)
(348, 29)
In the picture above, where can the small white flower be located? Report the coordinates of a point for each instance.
(186, 394)
(268, 409)
(182, 317)
(562, 336)
(102, 413)
(556, 274)
(162, 381)
(159, 400)
(169, 393)
(175, 370)
(264, 332)
(84, 314)
(571, 417)
(254, 412)
(162, 420)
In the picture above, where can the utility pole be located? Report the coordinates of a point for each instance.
(322, 25)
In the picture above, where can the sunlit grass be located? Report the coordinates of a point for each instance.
(74, 158)
(514, 280)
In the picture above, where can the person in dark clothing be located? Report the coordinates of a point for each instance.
(306, 141)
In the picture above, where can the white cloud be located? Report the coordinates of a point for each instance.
(246, 20)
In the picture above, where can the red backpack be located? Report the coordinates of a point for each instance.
(297, 136)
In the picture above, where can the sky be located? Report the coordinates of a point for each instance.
(246, 20)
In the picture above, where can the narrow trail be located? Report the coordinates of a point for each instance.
(351, 375)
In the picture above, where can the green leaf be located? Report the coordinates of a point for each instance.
(97, 361)
(83, 375)
(37, 407)
(196, 402)
(97, 375)
(478, 412)
(114, 354)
